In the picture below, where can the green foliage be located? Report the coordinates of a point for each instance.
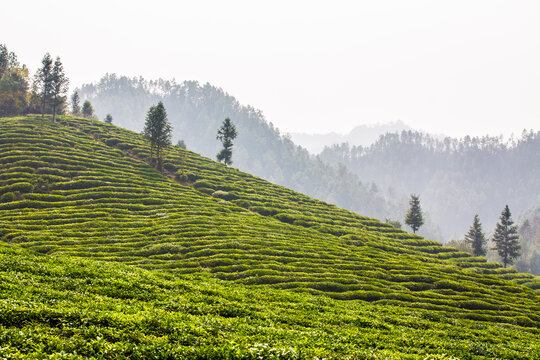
(476, 238)
(13, 84)
(414, 216)
(506, 238)
(43, 83)
(108, 119)
(197, 110)
(87, 110)
(75, 104)
(394, 223)
(80, 308)
(181, 144)
(226, 134)
(59, 86)
(158, 131)
(183, 273)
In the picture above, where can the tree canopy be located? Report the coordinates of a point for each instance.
(476, 238)
(13, 84)
(157, 130)
(75, 104)
(506, 238)
(414, 217)
(87, 109)
(59, 86)
(226, 134)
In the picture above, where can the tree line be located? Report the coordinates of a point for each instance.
(45, 95)
(505, 237)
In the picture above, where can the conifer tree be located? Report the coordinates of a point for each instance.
(414, 216)
(43, 81)
(158, 130)
(476, 238)
(506, 238)
(87, 109)
(226, 134)
(75, 104)
(59, 86)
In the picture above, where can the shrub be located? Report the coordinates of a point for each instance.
(203, 184)
(206, 190)
(8, 197)
(22, 187)
(223, 195)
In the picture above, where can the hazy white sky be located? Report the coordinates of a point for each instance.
(453, 67)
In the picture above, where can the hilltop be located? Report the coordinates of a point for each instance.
(79, 192)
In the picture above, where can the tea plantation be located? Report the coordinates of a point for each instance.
(102, 256)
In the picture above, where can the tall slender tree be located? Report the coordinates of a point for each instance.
(43, 81)
(476, 238)
(506, 238)
(59, 86)
(226, 134)
(158, 130)
(75, 104)
(414, 217)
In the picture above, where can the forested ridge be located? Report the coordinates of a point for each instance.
(456, 178)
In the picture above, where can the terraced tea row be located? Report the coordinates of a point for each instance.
(79, 188)
(288, 206)
(73, 308)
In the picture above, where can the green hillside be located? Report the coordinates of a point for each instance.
(79, 188)
(78, 308)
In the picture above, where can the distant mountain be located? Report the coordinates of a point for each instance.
(196, 111)
(363, 135)
(455, 178)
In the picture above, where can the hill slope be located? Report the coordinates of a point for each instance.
(80, 188)
(196, 111)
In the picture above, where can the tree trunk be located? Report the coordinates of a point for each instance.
(54, 109)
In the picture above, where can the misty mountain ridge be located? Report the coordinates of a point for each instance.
(363, 135)
(456, 178)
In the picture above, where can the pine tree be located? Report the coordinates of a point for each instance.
(476, 238)
(506, 238)
(158, 130)
(43, 81)
(87, 109)
(414, 216)
(59, 86)
(109, 119)
(75, 104)
(226, 134)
